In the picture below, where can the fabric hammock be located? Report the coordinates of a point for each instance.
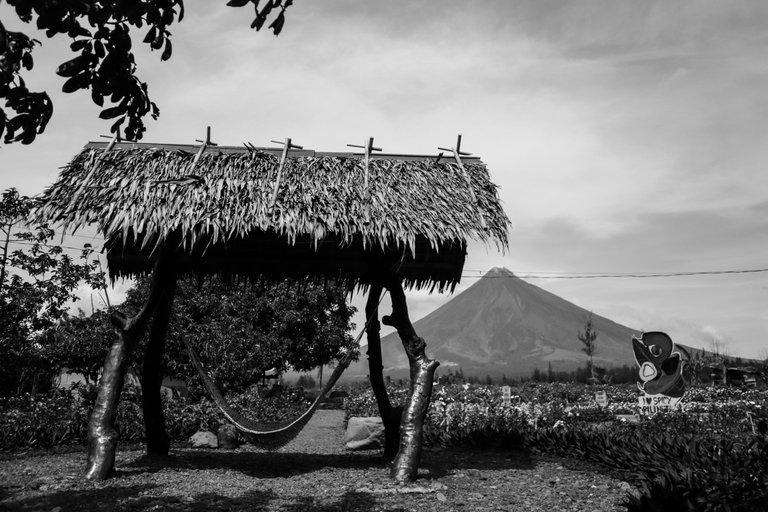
(272, 435)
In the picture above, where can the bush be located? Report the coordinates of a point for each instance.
(42, 421)
(61, 417)
(306, 382)
(700, 459)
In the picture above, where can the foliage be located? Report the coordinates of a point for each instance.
(36, 288)
(290, 403)
(101, 37)
(675, 471)
(60, 417)
(306, 382)
(41, 421)
(82, 342)
(706, 457)
(587, 338)
(242, 330)
(703, 459)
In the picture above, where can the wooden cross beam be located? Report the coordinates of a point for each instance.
(287, 146)
(368, 148)
(457, 154)
(115, 139)
(204, 145)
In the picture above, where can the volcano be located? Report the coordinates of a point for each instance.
(502, 325)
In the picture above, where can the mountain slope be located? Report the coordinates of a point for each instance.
(503, 325)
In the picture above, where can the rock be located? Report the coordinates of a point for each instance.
(40, 483)
(365, 433)
(227, 437)
(204, 439)
(441, 497)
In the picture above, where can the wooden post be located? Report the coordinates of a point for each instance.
(158, 442)
(287, 146)
(422, 369)
(390, 416)
(457, 152)
(102, 436)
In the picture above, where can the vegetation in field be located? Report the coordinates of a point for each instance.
(710, 456)
(60, 417)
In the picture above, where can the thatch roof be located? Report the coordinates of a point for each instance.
(415, 213)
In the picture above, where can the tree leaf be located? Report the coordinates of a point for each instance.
(74, 66)
(109, 113)
(97, 98)
(277, 25)
(150, 35)
(80, 81)
(167, 51)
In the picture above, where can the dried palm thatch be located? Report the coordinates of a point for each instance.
(229, 213)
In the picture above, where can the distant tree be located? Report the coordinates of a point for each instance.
(306, 382)
(99, 33)
(488, 380)
(81, 343)
(536, 375)
(37, 287)
(242, 330)
(622, 375)
(587, 338)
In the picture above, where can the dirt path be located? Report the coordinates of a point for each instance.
(312, 473)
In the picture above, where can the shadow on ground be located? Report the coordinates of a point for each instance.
(141, 498)
(282, 465)
(252, 464)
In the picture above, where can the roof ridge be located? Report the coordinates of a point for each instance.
(272, 150)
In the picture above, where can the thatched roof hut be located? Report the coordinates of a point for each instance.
(231, 215)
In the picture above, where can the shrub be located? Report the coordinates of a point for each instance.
(41, 421)
(61, 417)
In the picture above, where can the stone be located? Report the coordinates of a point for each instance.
(204, 439)
(364, 433)
(227, 437)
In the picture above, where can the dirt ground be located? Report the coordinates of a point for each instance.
(312, 473)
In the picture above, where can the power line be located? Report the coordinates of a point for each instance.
(536, 274)
(588, 275)
(29, 243)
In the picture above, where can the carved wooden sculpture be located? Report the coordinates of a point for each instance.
(390, 415)
(102, 436)
(422, 375)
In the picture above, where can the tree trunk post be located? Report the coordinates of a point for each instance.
(158, 442)
(406, 464)
(390, 416)
(102, 436)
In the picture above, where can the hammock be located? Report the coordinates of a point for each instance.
(272, 435)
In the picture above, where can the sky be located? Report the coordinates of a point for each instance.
(625, 136)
